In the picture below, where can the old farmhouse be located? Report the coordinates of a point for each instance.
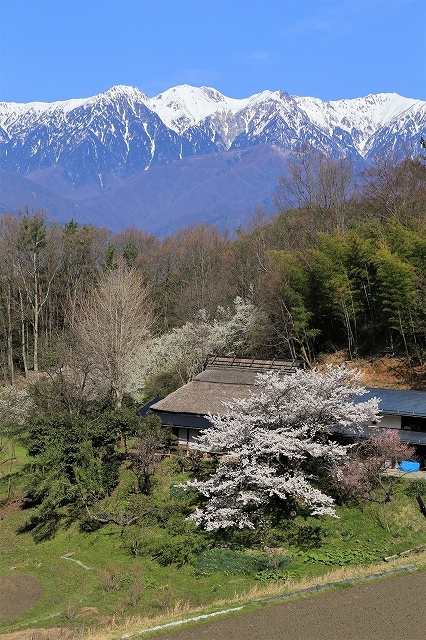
(399, 409)
(225, 378)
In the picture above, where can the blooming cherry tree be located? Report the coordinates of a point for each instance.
(356, 477)
(272, 440)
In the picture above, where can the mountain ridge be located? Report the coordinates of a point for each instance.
(181, 107)
(84, 149)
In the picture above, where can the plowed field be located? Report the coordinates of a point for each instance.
(389, 609)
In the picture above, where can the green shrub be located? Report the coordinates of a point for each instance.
(178, 525)
(161, 384)
(182, 497)
(234, 562)
(414, 487)
(179, 550)
(342, 557)
(272, 576)
(309, 537)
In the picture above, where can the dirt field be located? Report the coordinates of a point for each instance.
(18, 591)
(389, 609)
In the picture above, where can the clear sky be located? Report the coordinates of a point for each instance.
(330, 49)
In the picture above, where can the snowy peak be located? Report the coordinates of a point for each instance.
(377, 110)
(120, 95)
(29, 112)
(122, 90)
(184, 106)
(122, 131)
(360, 116)
(26, 113)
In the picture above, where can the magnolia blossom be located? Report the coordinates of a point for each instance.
(268, 441)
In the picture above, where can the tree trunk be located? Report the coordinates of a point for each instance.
(36, 314)
(24, 355)
(10, 338)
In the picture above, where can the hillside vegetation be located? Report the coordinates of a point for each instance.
(336, 269)
(162, 566)
(100, 508)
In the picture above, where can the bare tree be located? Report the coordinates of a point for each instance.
(318, 184)
(37, 260)
(112, 325)
(395, 189)
(8, 238)
(187, 272)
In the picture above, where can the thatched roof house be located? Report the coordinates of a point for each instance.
(223, 379)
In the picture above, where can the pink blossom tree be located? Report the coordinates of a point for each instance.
(357, 476)
(273, 441)
(384, 447)
(350, 481)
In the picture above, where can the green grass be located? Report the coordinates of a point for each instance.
(121, 584)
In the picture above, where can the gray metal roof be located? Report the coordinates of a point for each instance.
(399, 402)
(410, 437)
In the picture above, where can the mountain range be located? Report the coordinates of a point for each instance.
(186, 155)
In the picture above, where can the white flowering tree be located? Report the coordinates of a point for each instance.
(272, 443)
(184, 349)
(14, 406)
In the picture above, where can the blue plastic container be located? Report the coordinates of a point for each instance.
(408, 466)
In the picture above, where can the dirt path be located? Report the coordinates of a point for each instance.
(389, 609)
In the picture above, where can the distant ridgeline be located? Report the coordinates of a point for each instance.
(123, 159)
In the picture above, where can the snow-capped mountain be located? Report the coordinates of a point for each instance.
(82, 148)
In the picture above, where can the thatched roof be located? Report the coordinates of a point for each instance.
(223, 380)
(254, 364)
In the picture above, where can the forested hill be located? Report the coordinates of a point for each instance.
(333, 273)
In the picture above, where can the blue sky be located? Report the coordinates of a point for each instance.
(59, 49)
